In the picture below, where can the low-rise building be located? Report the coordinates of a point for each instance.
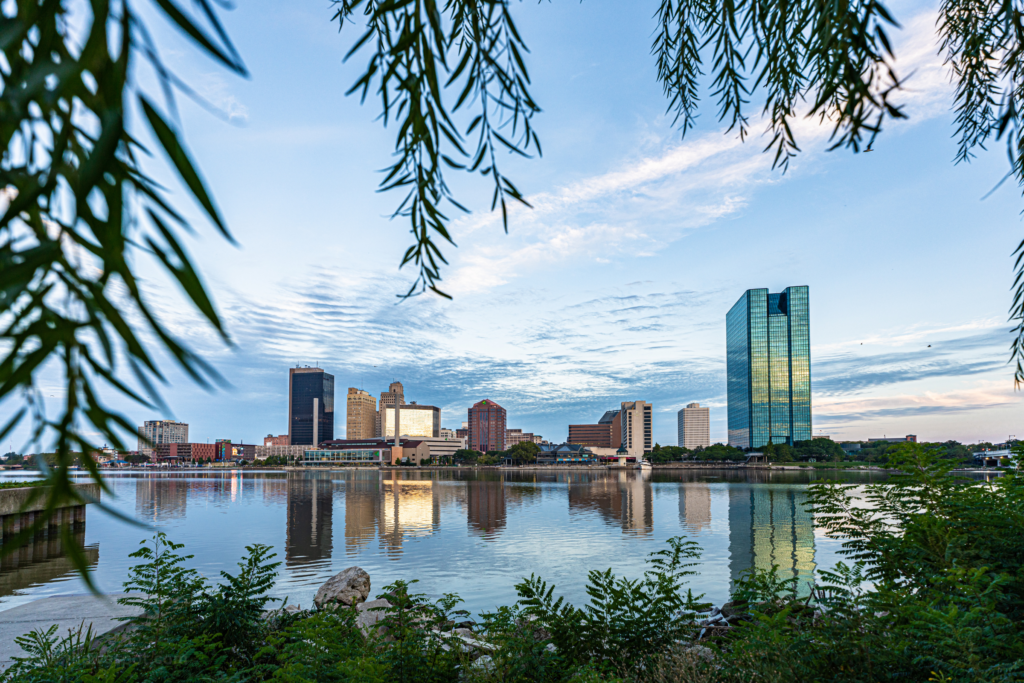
(442, 448)
(909, 438)
(371, 452)
(233, 452)
(281, 440)
(290, 453)
(567, 454)
(185, 452)
(514, 436)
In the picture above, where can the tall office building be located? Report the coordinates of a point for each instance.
(487, 425)
(394, 396)
(152, 433)
(694, 426)
(310, 406)
(413, 420)
(768, 364)
(636, 419)
(361, 417)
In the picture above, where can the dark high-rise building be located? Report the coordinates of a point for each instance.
(309, 387)
(768, 364)
(487, 424)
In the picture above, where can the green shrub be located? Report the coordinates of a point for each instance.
(628, 623)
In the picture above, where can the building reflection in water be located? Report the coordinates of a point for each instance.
(770, 526)
(310, 507)
(409, 509)
(392, 507)
(622, 498)
(42, 561)
(694, 506)
(486, 512)
(158, 499)
(362, 508)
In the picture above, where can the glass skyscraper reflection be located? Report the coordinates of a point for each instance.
(768, 364)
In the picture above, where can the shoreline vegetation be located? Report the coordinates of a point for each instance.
(931, 588)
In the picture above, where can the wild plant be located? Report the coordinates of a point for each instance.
(627, 622)
(51, 657)
(413, 637)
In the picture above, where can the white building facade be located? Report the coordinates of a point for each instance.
(155, 432)
(694, 424)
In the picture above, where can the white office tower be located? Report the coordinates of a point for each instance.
(694, 426)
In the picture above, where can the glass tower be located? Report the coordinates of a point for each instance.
(768, 363)
(304, 385)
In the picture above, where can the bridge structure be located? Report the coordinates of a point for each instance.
(1000, 458)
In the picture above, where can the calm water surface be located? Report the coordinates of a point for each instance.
(475, 534)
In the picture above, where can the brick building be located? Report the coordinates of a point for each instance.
(487, 426)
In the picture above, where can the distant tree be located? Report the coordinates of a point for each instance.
(12, 458)
(720, 451)
(136, 458)
(466, 455)
(524, 451)
(819, 449)
(954, 450)
(668, 454)
(783, 453)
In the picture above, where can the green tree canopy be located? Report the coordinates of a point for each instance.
(524, 451)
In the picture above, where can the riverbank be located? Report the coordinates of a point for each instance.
(66, 612)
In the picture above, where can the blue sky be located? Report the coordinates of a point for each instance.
(616, 285)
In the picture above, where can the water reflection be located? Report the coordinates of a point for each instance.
(310, 510)
(161, 499)
(770, 527)
(409, 509)
(485, 507)
(471, 532)
(41, 562)
(694, 506)
(621, 498)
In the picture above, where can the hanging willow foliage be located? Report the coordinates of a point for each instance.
(79, 209)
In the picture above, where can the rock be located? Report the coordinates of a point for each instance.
(464, 632)
(369, 613)
(731, 609)
(716, 618)
(350, 587)
(716, 611)
(484, 663)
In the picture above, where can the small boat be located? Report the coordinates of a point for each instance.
(644, 465)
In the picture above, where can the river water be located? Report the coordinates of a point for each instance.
(471, 533)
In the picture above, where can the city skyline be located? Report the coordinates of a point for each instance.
(614, 284)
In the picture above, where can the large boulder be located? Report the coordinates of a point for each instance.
(369, 613)
(350, 588)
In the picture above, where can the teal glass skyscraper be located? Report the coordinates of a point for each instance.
(768, 363)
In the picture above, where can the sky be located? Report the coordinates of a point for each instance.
(615, 285)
